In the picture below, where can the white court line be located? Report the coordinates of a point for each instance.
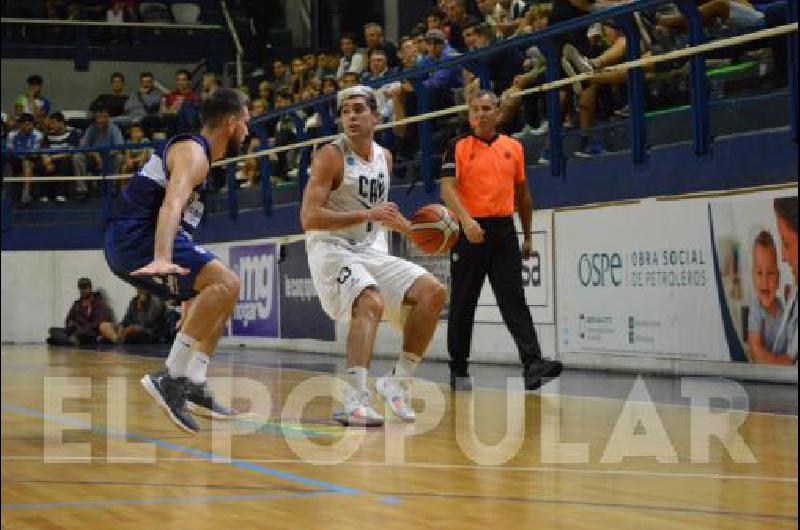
(464, 467)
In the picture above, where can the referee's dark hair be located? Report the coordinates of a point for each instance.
(223, 102)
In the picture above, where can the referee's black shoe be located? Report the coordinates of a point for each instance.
(460, 382)
(540, 372)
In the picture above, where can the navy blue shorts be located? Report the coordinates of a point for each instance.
(129, 246)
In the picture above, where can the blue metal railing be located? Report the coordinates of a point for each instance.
(621, 15)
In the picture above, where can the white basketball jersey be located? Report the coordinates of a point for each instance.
(364, 185)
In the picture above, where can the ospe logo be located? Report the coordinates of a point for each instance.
(600, 270)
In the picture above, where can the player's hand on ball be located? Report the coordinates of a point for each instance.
(527, 249)
(157, 267)
(389, 216)
(473, 231)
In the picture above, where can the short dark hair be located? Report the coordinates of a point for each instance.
(786, 209)
(284, 94)
(183, 71)
(434, 12)
(765, 239)
(485, 30)
(26, 117)
(349, 36)
(142, 75)
(35, 79)
(223, 102)
(118, 75)
(58, 116)
(379, 50)
(101, 109)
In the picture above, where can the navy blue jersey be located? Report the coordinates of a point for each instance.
(141, 199)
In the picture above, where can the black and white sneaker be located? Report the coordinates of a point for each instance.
(170, 394)
(200, 400)
(540, 372)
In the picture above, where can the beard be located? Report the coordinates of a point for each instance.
(234, 147)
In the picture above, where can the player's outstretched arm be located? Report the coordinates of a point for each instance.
(325, 175)
(188, 167)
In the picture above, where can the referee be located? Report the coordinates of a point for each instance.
(483, 180)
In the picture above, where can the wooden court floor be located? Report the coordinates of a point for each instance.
(84, 448)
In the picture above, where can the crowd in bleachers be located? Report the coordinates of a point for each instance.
(448, 29)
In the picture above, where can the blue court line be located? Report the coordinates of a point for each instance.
(326, 487)
(161, 501)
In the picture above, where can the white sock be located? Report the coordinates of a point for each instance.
(406, 365)
(198, 367)
(357, 377)
(180, 355)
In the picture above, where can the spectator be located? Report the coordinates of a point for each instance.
(514, 16)
(300, 77)
(116, 13)
(468, 34)
(183, 93)
(493, 13)
(327, 64)
(145, 321)
(349, 79)
(102, 133)
(210, 83)
(458, 18)
(32, 101)
(88, 321)
(440, 83)
(352, 59)
(266, 94)
(281, 77)
(378, 69)
(115, 101)
(502, 66)
(60, 136)
(373, 36)
(136, 158)
(25, 138)
(181, 106)
(143, 106)
(285, 134)
(435, 19)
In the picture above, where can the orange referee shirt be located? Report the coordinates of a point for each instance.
(485, 172)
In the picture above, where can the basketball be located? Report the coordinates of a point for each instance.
(434, 229)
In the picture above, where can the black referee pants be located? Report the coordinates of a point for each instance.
(500, 258)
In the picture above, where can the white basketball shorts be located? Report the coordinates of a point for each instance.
(341, 272)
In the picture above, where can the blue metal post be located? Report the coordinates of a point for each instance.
(697, 73)
(423, 106)
(793, 66)
(636, 90)
(233, 192)
(265, 169)
(553, 73)
(5, 202)
(105, 185)
(305, 154)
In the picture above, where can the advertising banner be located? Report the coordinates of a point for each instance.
(663, 278)
(302, 316)
(257, 312)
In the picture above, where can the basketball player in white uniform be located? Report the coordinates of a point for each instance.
(345, 208)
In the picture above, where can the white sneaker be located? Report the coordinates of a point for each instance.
(394, 391)
(358, 411)
(61, 198)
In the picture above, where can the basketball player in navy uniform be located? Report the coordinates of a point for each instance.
(148, 243)
(345, 210)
